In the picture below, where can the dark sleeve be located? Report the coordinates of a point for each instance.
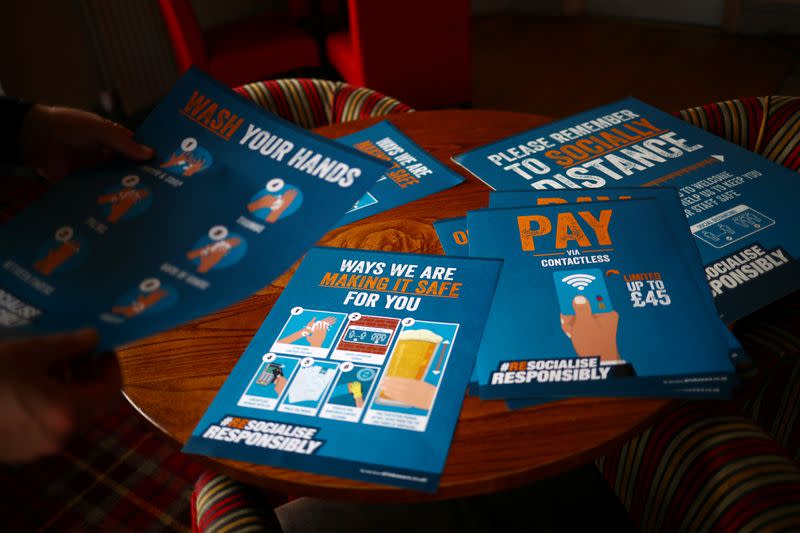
(12, 115)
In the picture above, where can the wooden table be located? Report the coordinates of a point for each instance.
(172, 378)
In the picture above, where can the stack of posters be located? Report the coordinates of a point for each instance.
(233, 196)
(359, 370)
(594, 287)
(739, 205)
(607, 286)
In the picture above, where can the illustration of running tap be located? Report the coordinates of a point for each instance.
(314, 332)
(212, 253)
(276, 203)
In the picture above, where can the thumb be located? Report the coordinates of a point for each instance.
(582, 308)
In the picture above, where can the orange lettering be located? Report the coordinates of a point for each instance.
(526, 234)
(568, 229)
(600, 226)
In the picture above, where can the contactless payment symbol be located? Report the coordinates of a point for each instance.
(579, 281)
(588, 283)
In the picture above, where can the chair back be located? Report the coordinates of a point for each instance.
(312, 103)
(185, 33)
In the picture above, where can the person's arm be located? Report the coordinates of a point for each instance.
(57, 141)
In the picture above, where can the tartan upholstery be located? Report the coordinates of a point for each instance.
(729, 466)
(312, 103)
(117, 475)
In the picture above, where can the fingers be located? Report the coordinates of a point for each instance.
(397, 386)
(582, 308)
(120, 140)
(567, 323)
(32, 351)
(409, 391)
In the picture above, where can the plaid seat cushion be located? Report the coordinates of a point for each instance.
(117, 475)
(312, 103)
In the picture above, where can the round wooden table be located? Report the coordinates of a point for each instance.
(171, 378)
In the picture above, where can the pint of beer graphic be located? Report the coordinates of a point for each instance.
(412, 355)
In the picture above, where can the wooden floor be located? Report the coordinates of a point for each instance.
(557, 66)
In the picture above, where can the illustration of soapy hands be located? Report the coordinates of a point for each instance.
(592, 335)
(309, 384)
(314, 332)
(412, 392)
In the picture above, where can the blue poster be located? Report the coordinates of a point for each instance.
(667, 198)
(453, 235)
(740, 206)
(362, 348)
(592, 300)
(233, 196)
(413, 174)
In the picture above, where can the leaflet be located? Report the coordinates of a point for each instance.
(668, 199)
(232, 198)
(414, 173)
(362, 348)
(612, 310)
(740, 206)
(453, 235)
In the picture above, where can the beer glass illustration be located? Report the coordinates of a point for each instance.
(412, 357)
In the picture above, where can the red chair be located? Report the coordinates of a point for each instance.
(240, 52)
(418, 52)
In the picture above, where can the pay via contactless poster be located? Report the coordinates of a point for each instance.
(611, 308)
(740, 206)
(668, 200)
(232, 198)
(359, 370)
(414, 173)
(454, 238)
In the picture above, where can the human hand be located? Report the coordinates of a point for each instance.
(319, 330)
(59, 140)
(280, 384)
(42, 399)
(412, 392)
(592, 335)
